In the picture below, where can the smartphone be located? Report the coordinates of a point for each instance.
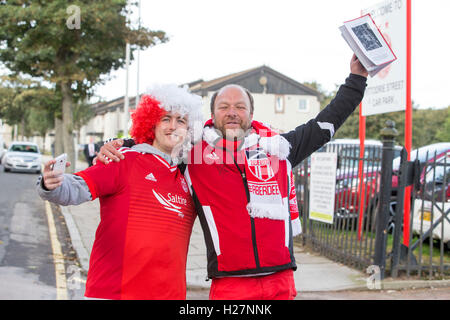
(60, 164)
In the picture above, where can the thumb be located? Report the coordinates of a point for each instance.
(48, 165)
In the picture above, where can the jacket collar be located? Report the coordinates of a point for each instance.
(270, 141)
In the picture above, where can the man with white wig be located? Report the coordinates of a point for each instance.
(146, 210)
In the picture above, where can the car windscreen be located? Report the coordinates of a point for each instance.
(424, 154)
(23, 148)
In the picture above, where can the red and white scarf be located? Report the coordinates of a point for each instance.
(265, 150)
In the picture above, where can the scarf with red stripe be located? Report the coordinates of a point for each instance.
(265, 150)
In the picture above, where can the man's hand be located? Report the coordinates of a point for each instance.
(109, 150)
(52, 179)
(357, 68)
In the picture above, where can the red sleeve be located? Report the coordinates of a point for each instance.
(102, 179)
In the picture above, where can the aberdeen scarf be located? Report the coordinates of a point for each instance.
(265, 151)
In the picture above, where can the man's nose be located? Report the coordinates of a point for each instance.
(173, 124)
(231, 112)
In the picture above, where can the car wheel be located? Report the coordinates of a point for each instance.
(5, 169)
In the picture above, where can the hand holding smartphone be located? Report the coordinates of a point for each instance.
(60, 164)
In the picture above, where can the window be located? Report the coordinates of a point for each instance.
(24, 148)
(303, 105)
(279, 104)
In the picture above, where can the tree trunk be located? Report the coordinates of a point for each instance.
(43, 142)
(67, 124)
(58, 143)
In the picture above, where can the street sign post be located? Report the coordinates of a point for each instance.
(390, 89)
(386, 92)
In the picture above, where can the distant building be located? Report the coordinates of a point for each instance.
(108, 120)
(279, 101)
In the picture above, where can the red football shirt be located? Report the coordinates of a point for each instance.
(141, 243)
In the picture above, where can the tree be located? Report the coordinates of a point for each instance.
(72, 44)
(11, 110)
(40, 105)
(39, 122)
(325, 97)
(443, 133)
(428, 126)
(29, 105)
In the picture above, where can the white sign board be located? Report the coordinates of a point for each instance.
(322, 186)
(386, 92)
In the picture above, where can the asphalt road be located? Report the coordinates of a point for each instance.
(27, 264)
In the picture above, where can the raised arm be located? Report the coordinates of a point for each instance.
(309, 137)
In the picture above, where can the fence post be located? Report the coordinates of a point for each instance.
(388, 135)
(396, 246)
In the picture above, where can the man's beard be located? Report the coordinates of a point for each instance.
(235, 133)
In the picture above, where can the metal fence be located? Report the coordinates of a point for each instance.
(367, 227)
(426, 250)
(350, 239)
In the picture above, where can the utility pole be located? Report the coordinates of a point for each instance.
(126, 102)
(138, 61)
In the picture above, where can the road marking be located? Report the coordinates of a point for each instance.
(58, 258)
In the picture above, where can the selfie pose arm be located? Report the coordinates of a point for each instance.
(60, 188)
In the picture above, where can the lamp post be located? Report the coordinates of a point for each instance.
(138, 60)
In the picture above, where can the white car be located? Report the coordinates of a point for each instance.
(23, 157)
(422, 220)
(436, 184)
(2, 144)
(2, 152)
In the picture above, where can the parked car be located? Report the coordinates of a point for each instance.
(348, 193)
(22, 157)
(435, 179)
(2, 146)
(2, 152)
(433, 199)
(348, 189)
(423, 154)
(423, 217)
(348, 154)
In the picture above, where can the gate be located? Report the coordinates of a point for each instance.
(350, 239)
(367, 227)
(426, 253)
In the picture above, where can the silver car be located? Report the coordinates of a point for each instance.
(23, 157)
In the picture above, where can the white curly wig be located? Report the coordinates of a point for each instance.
(176, 99)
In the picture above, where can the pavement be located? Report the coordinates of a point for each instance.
(315, 273)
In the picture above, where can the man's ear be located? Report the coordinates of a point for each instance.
(212, 117)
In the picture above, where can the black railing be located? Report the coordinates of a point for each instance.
(367, 227)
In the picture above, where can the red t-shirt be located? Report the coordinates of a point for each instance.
(141, 243)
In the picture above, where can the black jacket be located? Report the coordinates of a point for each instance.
(309, 137)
